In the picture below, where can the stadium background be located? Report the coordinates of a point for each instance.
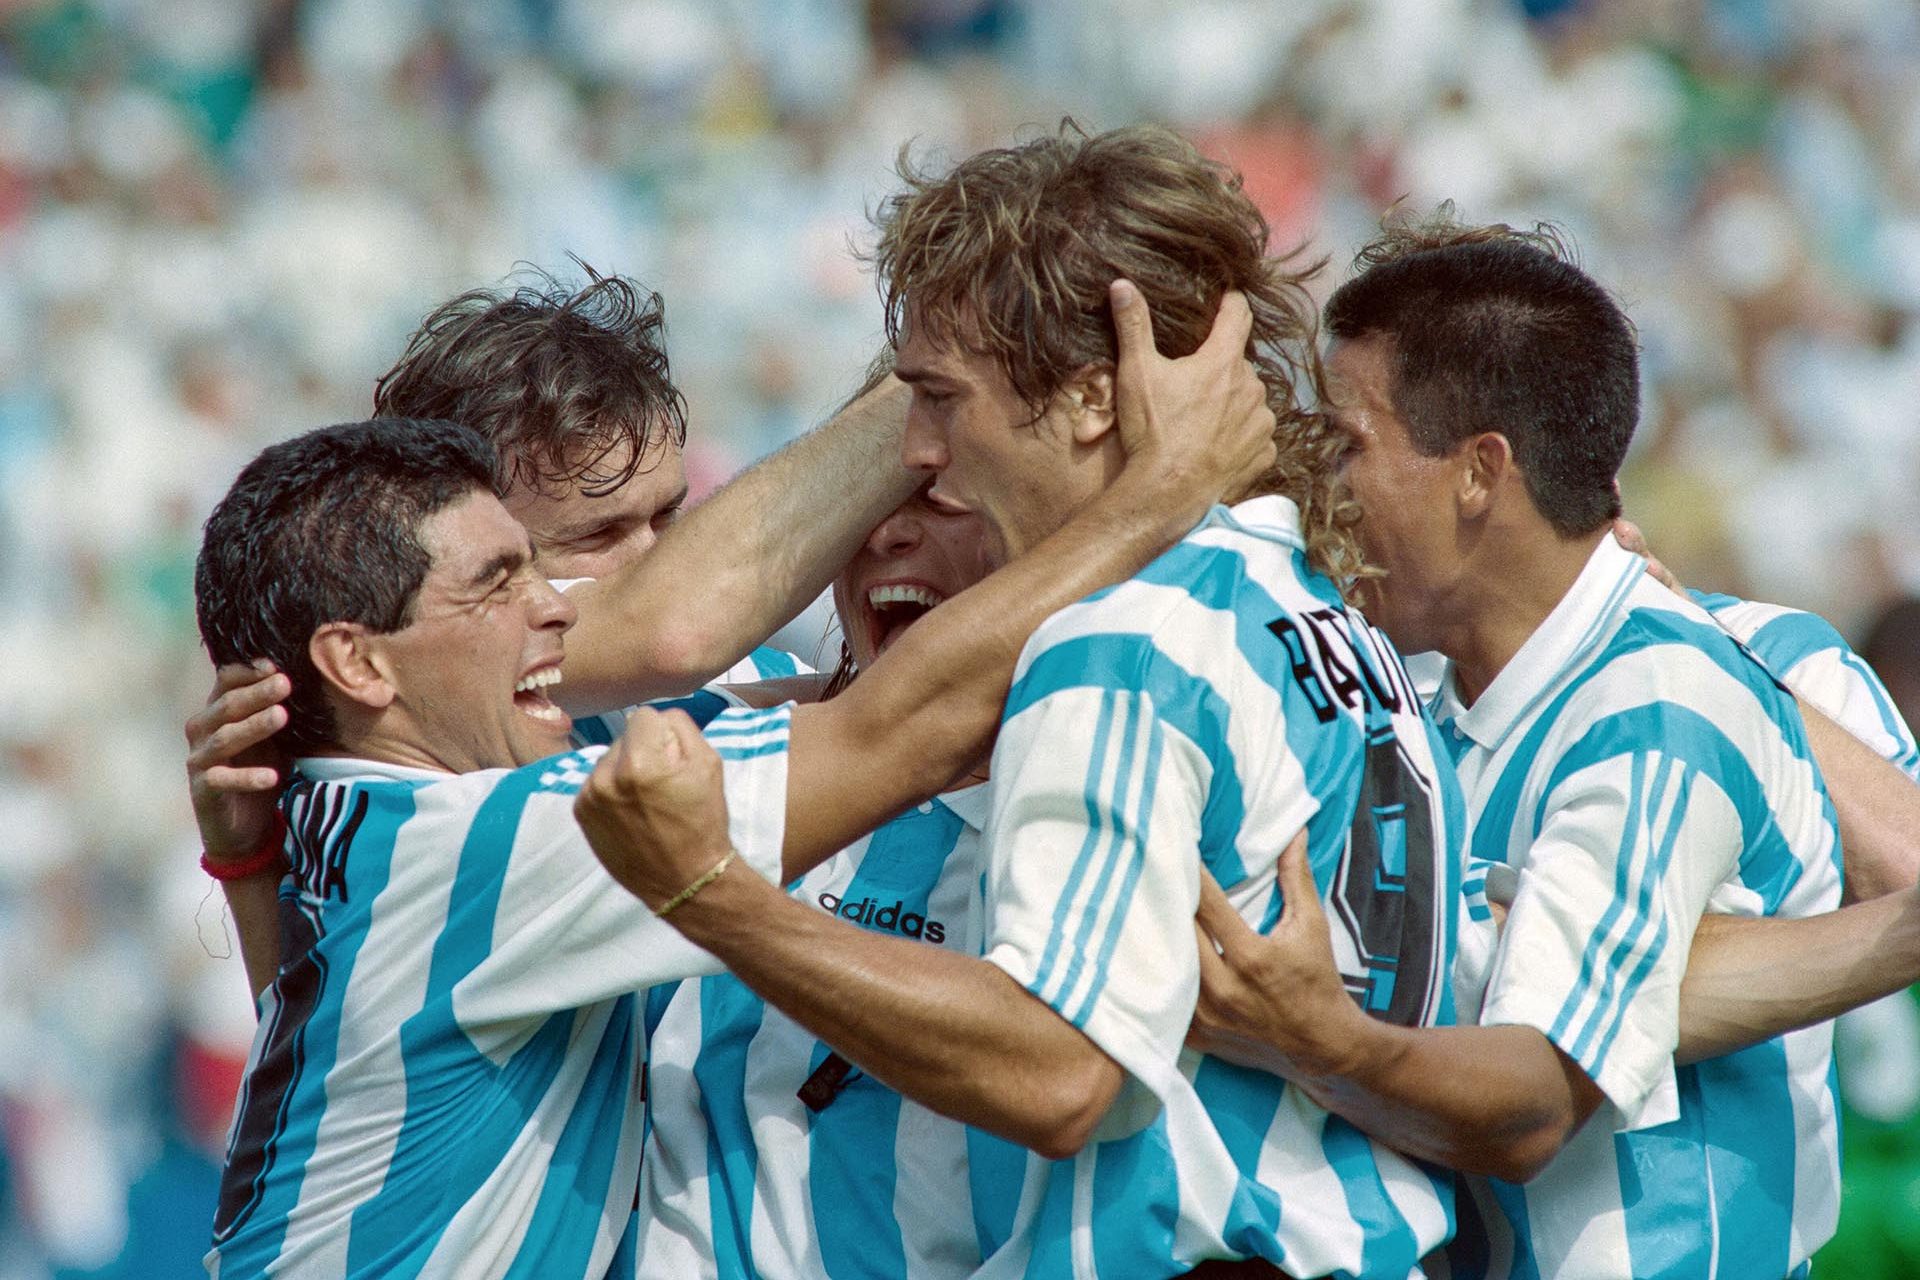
(220, 218)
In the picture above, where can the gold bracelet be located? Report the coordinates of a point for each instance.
(718, 869)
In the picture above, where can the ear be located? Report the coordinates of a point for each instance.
(344, 655)
(1089, 394)
(1488, 459)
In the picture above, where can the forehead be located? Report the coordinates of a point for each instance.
(658, 482)
(468, 533)
(1360, 373)
(939, 351)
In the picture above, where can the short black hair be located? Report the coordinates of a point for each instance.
(325, 528)
(556, 378)
(1496, 329)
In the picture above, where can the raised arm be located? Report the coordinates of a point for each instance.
(740, 565)
(1195, 429)
(233, 776)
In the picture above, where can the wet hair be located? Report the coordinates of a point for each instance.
(1011, 253)
(1497, 329)
(326, 528)
(558, 379)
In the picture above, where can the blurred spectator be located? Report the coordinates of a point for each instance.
(220, 218)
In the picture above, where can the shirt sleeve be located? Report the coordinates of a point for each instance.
(1604, 910)
(1093, 875)
(1839, 683)
(565, 934)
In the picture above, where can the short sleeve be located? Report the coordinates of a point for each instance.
(565, 933)
(1596, 941)
(1093, 874)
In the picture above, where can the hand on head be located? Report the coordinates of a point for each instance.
(1205, 413)
(234, 772)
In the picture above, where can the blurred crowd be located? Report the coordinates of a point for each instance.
(219, 219)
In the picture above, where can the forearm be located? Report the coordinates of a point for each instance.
(1499, 1101)
(1749, 980)
(928, 708)
(951, 1032)
(740, 565)
(254, 904)
(1878, 807)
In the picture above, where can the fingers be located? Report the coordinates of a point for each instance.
(1217, 914)
(234, 738)
(1297, 888)
(1628, 535)
(240, 693)
(690, 745)
(251, 780)
(1132, 323)
(1232, 325)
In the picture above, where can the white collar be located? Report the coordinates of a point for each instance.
(969, 803)
(1577, 624)
(1268, 516)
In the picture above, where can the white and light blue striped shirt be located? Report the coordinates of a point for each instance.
(744, 1177)
(1630, 768)
(1199, 715)
(1815, 661)
(763, 663)
(445, 1077)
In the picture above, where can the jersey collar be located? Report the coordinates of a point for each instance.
(355, 769)
(1570, 633)
(1269, 516)
(969, 804)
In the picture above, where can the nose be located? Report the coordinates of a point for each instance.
(897, 535)
(923, 446)
(551, 608)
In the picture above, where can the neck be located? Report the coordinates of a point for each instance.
(1521, 581)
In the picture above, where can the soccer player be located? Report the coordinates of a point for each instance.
(445, 1078)
(1628, 767)
(573, 390)
(1204, 713)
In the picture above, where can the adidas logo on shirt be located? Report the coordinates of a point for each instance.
(888, 918)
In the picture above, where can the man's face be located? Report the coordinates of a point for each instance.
(577, 536)
(470, 672)
(1406, 498)
(912, 561)
(988, 454)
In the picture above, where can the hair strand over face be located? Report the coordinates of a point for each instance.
(1010, 254)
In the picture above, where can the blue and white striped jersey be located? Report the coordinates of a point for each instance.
(1199, 715)
(762, 664)
(445, 1081)
(743, 1177)
(1631, 768)
(1815, 661)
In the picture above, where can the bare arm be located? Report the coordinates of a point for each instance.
(233, 776)
(1194, 428)
(949, 1031)
(1878, 807)
(1750, 979)
(740, 565)
(1500, 1101)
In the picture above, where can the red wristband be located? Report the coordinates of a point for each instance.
(270, 854)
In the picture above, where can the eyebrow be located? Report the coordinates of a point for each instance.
(507, 562)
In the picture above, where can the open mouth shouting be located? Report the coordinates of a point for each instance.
(530, 696)
(892, 607)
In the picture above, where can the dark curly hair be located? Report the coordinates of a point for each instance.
(325, 528)
(558, 379)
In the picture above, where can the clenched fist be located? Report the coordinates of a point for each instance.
(654, 810)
